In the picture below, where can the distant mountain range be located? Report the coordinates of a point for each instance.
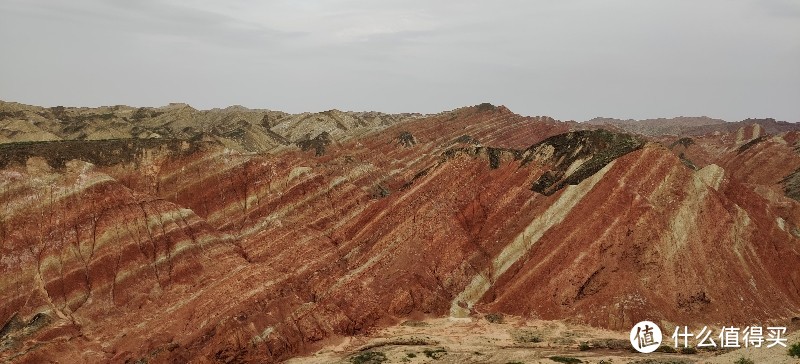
(691, 125)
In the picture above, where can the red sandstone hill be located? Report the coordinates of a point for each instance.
(241, 235)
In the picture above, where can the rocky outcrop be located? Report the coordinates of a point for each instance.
(578, 155)
(318, 143)
(151, 251)
(107, 152)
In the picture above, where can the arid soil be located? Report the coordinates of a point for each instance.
(134, 235)
(515, 340)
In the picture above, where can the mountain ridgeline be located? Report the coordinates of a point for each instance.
(173, 234)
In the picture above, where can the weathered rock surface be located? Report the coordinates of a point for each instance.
(207, 247)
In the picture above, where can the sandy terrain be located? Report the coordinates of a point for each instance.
(476, 340)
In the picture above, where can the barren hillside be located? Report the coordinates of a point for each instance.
(178, 235)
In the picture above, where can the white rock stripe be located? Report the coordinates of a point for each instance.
(554, 215)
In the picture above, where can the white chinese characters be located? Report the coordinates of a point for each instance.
(730, 337)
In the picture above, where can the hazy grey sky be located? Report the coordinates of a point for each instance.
(570, 59)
